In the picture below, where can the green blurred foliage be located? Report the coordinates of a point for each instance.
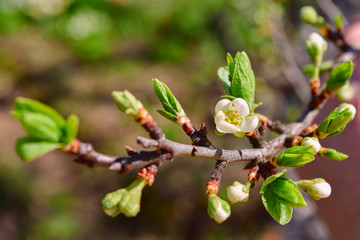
(71, 54)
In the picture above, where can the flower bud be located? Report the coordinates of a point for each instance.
(125, 200)
(337, 120)
(316, 47)
(345, 93)
(237, 192)
(309, 15)
(218, 209)
(311, 141)
(126, 102)
(342, 107)
(111, 201)
(317, 188)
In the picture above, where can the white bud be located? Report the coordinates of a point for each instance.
(218, 209)
(312, 141)
(323, 188)
(318, 40)
(237, 192)
(317, 188)
(349, 106)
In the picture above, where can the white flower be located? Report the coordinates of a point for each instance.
(349, 106)
(233, 116)
(312, 141)
(323, 188)
(237, 192)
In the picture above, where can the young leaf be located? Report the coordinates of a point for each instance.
(167, 99)
(333, 154)
(71, 128)
(224, 76)
(167, 115)
(296, 156)
(243, 79)
(276, 207)
(39, 126)
(279, 196)
(29, 149)
(339, 76)
(29, 105)
(324, 66)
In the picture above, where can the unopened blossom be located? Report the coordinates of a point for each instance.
(234, 116)
(312, 141)
(237, 192)
(317, 188)
(349, 106)
(218, 209)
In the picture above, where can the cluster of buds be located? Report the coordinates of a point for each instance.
(125, 200)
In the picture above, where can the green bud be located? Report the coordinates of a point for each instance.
(339, 76)
(294, 157)
(308, 15)
(316, 47)
(317, 188)
(333, 154)
(238, 192)
(126, 102)
(336, 122)
(130, 202)
(218, 209)
(110, 203)
(125, 200)
(339, 21)
(345, 93)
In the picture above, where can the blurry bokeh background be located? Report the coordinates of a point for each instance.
(70, 54)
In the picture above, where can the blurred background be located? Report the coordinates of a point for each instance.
(70, 54)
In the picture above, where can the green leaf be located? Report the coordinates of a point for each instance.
(279, 196)
(219, 133)
(276, 207)
(29, 149)
(296, 156)
(339, 76)
(224, 76)
(243, 79)
(167, 99)
(29, 105)
(39, 126)
(167, 115)
(71, 128)
(287, 190)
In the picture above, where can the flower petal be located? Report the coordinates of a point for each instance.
(221, 104)
(225, 127)
(241, 106)
(249, 123)
(220, 116)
